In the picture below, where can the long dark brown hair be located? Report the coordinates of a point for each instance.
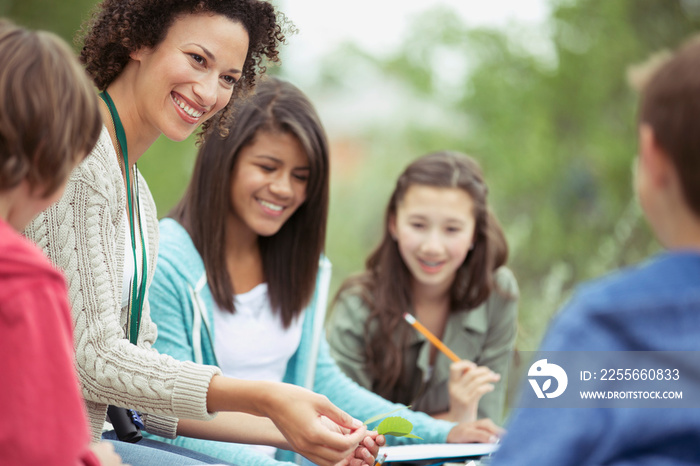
(290, 257)
(386, 282)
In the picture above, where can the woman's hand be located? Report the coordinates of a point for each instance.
(316, 428)
(467, 384)
(481, 431)
(311, 424)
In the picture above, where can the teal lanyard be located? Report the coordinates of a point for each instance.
(137, 293)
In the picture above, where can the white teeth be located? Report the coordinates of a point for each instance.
(271, 206)
(190, 111)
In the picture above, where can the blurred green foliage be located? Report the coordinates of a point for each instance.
(549, 114)
(546, 110)
(59, 16)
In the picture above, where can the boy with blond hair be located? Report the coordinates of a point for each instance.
(49, 121)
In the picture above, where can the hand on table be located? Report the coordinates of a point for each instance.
(481, 431)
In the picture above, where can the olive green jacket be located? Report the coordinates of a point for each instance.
(484, 335)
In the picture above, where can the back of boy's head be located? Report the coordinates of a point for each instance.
(670, 105)
(49, 114)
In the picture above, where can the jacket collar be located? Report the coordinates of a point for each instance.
(178, 249)
(473, 321)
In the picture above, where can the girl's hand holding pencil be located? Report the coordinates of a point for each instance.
(468, 382)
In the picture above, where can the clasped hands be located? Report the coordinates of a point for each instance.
(323, 433)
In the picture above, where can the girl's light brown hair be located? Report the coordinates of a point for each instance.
(385, 286)
(49, 115)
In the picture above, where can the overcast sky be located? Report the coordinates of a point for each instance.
(378, 25)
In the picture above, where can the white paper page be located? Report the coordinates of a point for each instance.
(422, 451)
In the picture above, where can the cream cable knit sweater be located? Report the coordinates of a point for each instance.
(83, 234)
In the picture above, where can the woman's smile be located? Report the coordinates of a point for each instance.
(271, 208)
(192, 111)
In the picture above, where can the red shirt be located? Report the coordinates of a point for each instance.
(42, 416)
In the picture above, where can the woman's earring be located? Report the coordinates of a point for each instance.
(471, 248)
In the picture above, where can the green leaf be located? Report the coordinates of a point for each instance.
(380, 416)
(399, 434)
(396, 426)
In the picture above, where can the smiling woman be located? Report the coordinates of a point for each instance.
(246, 238)
(198, 64)
(268, 184)
(262, 193)
(165, 67)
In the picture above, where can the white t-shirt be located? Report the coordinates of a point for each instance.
(252, 344)
(128, 276)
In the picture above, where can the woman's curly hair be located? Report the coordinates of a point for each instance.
(119, 27)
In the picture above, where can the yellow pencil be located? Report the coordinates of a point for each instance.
(432, 338)
(380, 460)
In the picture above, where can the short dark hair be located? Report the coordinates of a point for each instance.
(118, 28)
(291, 256)
(49, 115)
(670, 105)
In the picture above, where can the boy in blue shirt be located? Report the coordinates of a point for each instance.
(654, 307)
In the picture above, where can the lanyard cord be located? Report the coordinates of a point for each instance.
(137, 293)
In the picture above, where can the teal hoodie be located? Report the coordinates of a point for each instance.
(183, 308)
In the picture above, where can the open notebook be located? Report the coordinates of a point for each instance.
(428, 451)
